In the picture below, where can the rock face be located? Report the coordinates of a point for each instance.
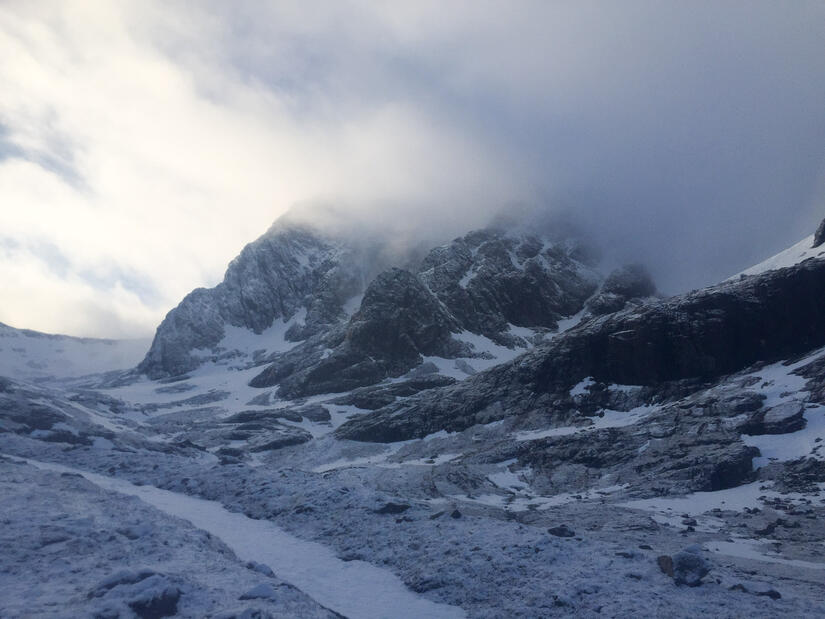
(819, 237)
(289, 271)
(401, 319)
(695, 337)
(482, 284)
(490, 279)
(626, 284)
(781, 419)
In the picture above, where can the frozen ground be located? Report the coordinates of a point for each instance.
(184, 505)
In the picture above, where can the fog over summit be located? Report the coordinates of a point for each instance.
(143, 145)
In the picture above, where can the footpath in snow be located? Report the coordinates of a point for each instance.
(355, 589)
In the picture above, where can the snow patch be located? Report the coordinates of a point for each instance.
(791, 256)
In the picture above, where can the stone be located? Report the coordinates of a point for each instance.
(689, 567)
(263, 591)
(561, 531)
(781, 419)
(392, 508)
(665, 563)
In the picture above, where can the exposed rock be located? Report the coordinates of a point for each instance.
(628, 283)
(781, 419)
(489, 279)
(665, 563)
(399, 321)
(314, 412)
(263, 591)
(689, 567)
(561, 531)
(694, 337)
(392, 508)
(372, 398)
(290, 269)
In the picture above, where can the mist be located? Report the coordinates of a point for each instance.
(143, 144)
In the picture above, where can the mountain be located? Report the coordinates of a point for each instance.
(31, 355)
(292, 283)
(490, 290)
(494, 427)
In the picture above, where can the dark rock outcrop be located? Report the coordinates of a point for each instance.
(626, 284)
(699, 336)
(781, 419)
(399, 321)
(482, 283)
(490, 279)
(689, 567)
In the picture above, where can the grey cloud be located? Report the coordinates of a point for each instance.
(688, 135)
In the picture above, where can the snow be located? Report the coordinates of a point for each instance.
(750, 549)
(526, 332)
(353, 304)
(271, 340)
(698, 503)
(29, 355)
(568, 323)
(784, 447)
(467, 277)
(582, 387)
(522, 500)
(480, 345)
(352, 588)
(607, 419)
(780, 385)
(791, 256)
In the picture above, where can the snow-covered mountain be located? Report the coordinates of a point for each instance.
(32, 355)
(495, 429)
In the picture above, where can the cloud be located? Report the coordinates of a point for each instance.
(145, 143)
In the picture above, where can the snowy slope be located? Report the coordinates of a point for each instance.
(789, 257)
(28, 355)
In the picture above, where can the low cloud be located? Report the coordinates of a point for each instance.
(146, 143)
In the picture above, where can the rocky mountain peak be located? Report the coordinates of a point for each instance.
(490, 279)
(293, 276)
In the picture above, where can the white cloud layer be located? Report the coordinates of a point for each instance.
(143, 143)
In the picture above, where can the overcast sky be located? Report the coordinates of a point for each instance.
(142, 144)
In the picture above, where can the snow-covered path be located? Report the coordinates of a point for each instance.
(355, 589)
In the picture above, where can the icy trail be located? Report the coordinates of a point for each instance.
(353, 588)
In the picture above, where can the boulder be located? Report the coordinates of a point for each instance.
(689, 567)
(561, 531)
(781, 419)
